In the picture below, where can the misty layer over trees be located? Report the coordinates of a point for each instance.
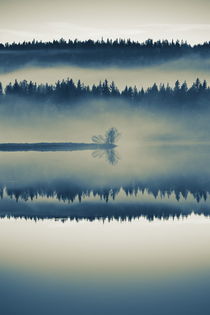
(100, 106)
(68, 92)
(110, 52)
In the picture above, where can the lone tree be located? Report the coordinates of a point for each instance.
(111, 137)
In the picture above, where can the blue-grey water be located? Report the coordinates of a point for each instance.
(123, 232)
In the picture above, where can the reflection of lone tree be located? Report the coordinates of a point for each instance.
(110, 155)
(111, 137)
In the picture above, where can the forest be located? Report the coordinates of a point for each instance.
(119, 52)
(68, 93)
(149, 44)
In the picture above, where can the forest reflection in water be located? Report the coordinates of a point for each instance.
(61, 186)
(133, 233)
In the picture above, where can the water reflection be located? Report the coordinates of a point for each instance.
(73, 190)
(71, 200)
(48, 268)
(154, 182)
(111, 155)
(129, 228)
(91, 211)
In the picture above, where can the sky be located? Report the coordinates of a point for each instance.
(136, 19)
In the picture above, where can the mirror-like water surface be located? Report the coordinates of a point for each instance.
(118, 231)
(106, 226)
(50, 267)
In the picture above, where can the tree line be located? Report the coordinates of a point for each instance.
(68, 92)
(118, 51)
(71, 192)
(108, 43)
(102, 212)
(124, 53)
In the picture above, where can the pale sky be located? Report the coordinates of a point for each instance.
(136, 19)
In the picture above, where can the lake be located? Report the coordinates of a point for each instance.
(122, 231)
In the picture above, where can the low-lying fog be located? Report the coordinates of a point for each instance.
(151, 142)
(168, 72)
(31, 122)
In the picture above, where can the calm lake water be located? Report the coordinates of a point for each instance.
(118, 232)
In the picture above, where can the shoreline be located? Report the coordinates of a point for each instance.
(53, 146)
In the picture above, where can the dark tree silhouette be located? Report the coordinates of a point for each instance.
(117, 44)
(110, 52)
(71, 192)
(68, 92)
(111, 137)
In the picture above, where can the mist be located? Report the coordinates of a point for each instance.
(22, 121)
(104, 157)
(182, 69)
(155, 147)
